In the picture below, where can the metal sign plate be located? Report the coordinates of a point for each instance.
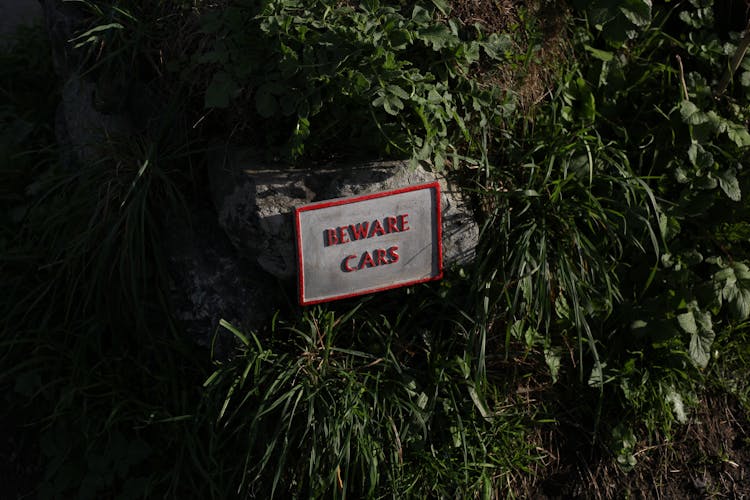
(363, 244)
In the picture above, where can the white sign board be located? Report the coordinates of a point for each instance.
(363, 244)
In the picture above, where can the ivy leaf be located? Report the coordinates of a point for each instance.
(729, 184)
(745, 79)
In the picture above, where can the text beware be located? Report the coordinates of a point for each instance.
(364, 230)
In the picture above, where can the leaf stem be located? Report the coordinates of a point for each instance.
(682, 78)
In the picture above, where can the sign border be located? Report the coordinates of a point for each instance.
(355, 199)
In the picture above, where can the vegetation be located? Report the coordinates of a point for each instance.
(606, 150)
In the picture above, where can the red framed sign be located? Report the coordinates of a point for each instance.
(363, 244)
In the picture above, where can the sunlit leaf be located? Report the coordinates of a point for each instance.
(729, 184)
(691, 114)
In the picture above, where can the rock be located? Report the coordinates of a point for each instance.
(16, 13)
(81, 127)
(83, 124)
(255, 202)
(64, 20)
(209, 282)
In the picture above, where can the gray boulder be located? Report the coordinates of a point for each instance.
(209, 283)
(83, 129)
(255, 201)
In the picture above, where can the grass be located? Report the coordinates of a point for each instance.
(608, 298)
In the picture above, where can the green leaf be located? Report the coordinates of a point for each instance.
(220, 91)
(531, 336)
(678, 407)
(687, 322)
(241, 336)
(699, 156)
(637, 12)
(700, 348)
(437, 35)
(516, 329)
(691, 114)
(497, 45)
(397, 91)
(596, 379)
(732, 285)
(738, 134)
(602, 55)
(442, 5)
(587, 101)
(92, 34)
(479, 403)
(706, 182)
(390, 102)
(698, 324)
(729, 184)
(718, 124)
(741, 304)
(552, 358)
(745, 79)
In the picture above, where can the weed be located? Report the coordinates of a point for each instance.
(378, 410)
(614, 249)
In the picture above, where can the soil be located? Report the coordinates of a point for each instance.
(19, 458)
(707, 458)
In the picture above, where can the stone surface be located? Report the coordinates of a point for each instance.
(255, 203)
(64, 20)
(16, 13)
(86, 122)
(210, 283)
(83, 129)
